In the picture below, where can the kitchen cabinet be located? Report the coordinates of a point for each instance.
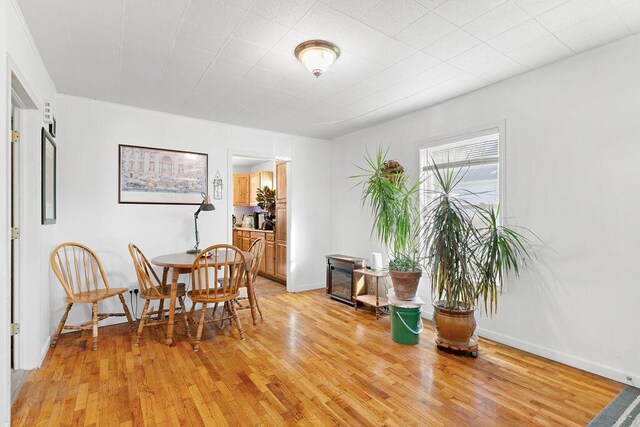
(245, 187)
(259, 180)
(237, 239)
(246, 243)
(281, 221)
(243, 238)
(241, 189)
(281, 182)
(270, 258)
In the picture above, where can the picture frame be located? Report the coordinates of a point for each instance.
(49, 180)
(161, 176)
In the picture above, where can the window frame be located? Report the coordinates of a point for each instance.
(466, 134)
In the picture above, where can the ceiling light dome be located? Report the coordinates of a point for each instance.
(317, 55)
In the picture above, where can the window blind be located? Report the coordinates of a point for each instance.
(473, 151)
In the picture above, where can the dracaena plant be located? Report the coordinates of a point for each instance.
(469, 251)
(392, 197)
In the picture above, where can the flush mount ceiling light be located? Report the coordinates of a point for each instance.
(317, 55)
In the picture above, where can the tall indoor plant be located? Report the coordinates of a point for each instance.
(393, 198)
(469, 254)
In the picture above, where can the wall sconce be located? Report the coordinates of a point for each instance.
(217, 186)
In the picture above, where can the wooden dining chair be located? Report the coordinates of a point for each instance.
(152, 289)
(257, 250)
(81, 274)
(216, 276)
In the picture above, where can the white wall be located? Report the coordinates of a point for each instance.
(88, 209)
(19, 56)
(572, 177)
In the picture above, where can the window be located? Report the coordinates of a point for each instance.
(476, 157)
(152, 166)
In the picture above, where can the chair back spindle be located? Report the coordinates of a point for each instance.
(218, 271)
(78, 269)
(147, 278)
(257, 250)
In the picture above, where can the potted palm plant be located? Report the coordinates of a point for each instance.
(392, 197)
(469, 254)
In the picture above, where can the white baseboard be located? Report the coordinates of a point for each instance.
(309, 287)
(43, 352)
(555, 355)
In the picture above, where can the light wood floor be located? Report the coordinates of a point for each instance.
(312, 361)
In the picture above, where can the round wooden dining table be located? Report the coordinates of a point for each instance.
(181, 263)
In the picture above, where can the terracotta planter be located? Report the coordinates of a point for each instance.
(455, 328)
(405, 283)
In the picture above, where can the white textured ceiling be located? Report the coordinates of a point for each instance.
(231, 61)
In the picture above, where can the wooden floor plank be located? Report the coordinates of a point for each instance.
(312, 361)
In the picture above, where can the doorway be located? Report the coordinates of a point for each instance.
(258, 209)
(17, 376)
(23, 113)
(14, 215)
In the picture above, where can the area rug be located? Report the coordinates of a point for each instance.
(623, 411)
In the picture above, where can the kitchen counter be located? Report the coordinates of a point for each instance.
(252, 229)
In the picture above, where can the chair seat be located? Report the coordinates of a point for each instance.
(165, 292)
(200, 298)
(97, 295)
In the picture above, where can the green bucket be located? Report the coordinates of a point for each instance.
(406, 324)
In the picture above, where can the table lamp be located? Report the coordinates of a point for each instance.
(204, 206)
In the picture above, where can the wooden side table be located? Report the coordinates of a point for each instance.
(374, 300)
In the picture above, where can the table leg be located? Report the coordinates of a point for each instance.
(172, 304)
(377, 299)
(251, 295)
(165, 273)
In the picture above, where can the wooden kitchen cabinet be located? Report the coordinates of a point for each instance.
(245, 187)
(270, 258)
(259, 180)
(241, 189)
(281, 182)
(281, 225)
(244, 238)
(281, 261)
(281, 222)
(246, 243)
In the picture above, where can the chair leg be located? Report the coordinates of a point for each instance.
(94, 322)
(196, 345)
(193, 308)
(183, 312)
(224, 312)
(234, 313)
(228, 305)
(143, 318)
(126, 312)
(161, 310)
(255, 298)
(56, 337)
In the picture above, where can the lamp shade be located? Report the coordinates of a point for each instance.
(206, 204)
(317, 55)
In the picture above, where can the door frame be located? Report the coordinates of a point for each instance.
(20, 94)
(231, 153)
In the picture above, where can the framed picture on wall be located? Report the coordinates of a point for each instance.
(150, 175)
(48, 178)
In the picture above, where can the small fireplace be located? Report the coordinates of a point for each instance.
(340, 285)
